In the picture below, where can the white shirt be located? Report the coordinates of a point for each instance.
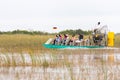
(98, 26)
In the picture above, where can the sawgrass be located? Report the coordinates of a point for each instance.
(32, 44)
(22, 42)
(117, 40)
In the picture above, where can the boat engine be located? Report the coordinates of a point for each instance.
(100, 36)
(97, 38)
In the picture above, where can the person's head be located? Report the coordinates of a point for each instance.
(59, 35)
(98, 23)
(56, 35)
(73, 35)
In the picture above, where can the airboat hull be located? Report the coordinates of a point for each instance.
(51, 46)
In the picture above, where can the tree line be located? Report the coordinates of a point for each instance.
(70, 32)
(24, 32)
(77, 31)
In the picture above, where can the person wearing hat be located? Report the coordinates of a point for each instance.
(97, 27)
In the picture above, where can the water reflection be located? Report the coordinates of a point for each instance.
(75, 58)
(83, 72)
(94, 66)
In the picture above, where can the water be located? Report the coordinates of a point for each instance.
(61, 66)
(87, 72)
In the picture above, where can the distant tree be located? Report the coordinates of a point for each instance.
(74, 32)
(70, 32)
(24, 32)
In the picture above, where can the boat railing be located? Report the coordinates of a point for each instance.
(49, 41)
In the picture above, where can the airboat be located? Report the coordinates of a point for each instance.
(100, 38)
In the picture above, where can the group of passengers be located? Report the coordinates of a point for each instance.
(66, 40)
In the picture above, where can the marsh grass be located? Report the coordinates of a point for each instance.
(45, 64)
(117, 40)
(13, 48)
(32, 56)
(86, 67)
(58, 59)
(22, 42)
(13, 62)
(23, 59)
(7, 60)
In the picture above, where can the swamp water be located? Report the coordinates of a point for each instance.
(95, 65)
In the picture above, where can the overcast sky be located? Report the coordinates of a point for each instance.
(65, 14)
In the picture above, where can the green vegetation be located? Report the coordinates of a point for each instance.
(26, 42)
(71, 32)
(22, 40)
(117, 40)
(25, 32)
(23, 49)
(78, 31)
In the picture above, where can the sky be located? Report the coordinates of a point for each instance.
(43, 15)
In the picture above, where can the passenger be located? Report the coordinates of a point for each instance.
(65, 39)
(87, 41)
(72, 40)
(56, 40)
(98, 26)
(60, 39)
(80, 39)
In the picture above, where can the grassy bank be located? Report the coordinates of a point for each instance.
(22, 42)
